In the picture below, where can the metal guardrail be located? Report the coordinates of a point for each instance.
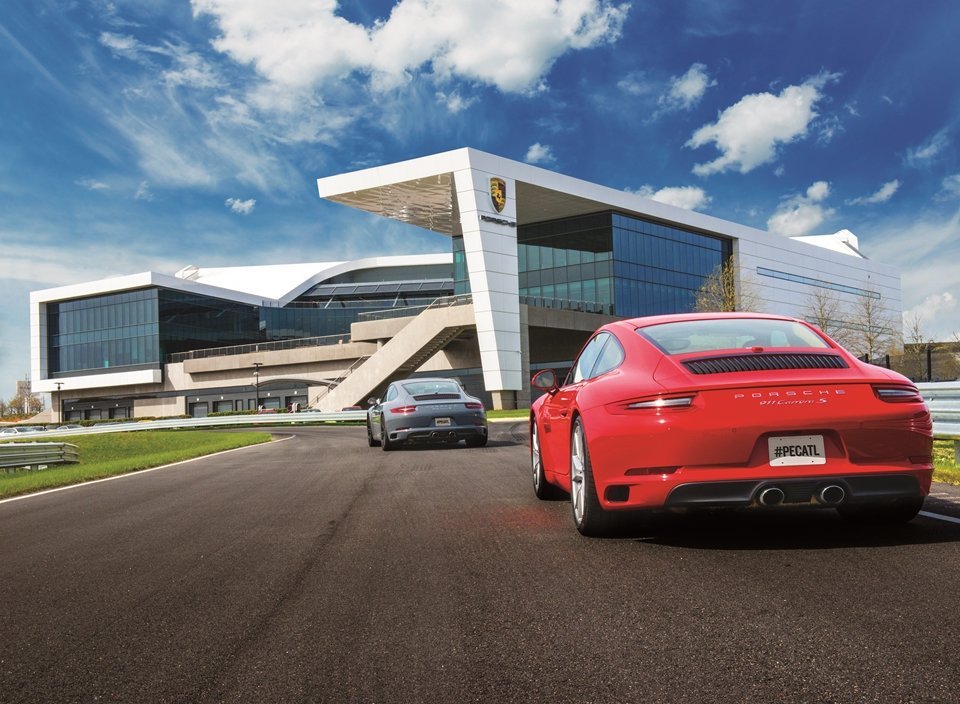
(14, 455)
(943, 398)
(208, 422)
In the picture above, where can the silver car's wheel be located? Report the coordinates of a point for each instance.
(370, 440)
(385, 444)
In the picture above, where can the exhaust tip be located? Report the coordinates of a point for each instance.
(772, 496)
(831, 495)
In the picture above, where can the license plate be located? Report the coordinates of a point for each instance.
(795, 450)
(441, 421)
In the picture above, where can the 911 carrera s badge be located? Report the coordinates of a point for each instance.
(498, 193)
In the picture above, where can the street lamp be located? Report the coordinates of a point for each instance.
(59, 407)
(256, 382)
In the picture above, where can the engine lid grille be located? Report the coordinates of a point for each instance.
(763, 362)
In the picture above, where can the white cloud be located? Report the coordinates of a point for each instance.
(885, 193)
(818, 191)
(936, 307)
(454, 101)
(509, 45)
(143, 192)
(749, 132)
(925, 248)
(687, 197)
(920, 156)
(540, 154)
(241, 207)
(635, 83)
(686, 91)
(802, 214)
(950, 188)
(92, 184)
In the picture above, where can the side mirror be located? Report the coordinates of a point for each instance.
(545, 380)
(373, 401)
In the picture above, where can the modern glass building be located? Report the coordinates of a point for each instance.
(538, 258)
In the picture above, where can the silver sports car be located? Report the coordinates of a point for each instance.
(426, 410)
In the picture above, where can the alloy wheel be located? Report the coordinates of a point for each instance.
(577, 487)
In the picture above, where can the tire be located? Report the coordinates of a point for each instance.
(588, 515)
(370, 441)
(544, 490)
(888, 513)
(385, 443)
(477, 441)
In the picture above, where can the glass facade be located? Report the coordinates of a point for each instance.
(659, 268)
(189, 322)
(102, 332)
(629, 265)
(139, 329)
(461, 278)
(567, 260)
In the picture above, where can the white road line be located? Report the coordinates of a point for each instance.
(937, 516)
(133, 474)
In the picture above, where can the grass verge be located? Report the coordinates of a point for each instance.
(519, 414)
(945, 466)
(110, 454)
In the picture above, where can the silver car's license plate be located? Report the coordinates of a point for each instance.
(792, 450)
(441, 421)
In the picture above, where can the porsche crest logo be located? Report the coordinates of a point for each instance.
(498, 193)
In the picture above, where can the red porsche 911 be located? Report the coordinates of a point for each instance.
(728, 410)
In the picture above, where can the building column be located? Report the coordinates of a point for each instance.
(490, 247)
(523, 395)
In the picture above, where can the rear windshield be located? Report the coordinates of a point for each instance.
(730, 333)
(432, 388)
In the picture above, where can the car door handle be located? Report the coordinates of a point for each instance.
(564, 413)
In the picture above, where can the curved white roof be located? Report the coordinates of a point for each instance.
(276, 284)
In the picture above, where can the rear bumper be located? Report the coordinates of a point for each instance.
(856, 488)
(438, 434)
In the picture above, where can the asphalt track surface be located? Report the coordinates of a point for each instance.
(316, 569)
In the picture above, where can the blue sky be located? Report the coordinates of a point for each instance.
(146, 135)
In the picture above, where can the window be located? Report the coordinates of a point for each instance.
(730, 333)
(611, 356)
(583, 367)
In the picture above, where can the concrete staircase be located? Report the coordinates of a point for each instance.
(404, 353)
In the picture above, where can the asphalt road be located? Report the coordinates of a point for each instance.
(317, 569)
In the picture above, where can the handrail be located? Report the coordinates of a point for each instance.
(442, 302)
(339, 380)
(296, 343)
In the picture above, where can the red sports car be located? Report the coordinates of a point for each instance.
(725, 410)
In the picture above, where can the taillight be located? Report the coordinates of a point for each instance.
(898, 394)
(403, 409)
(474, 406)
(660, 402)
(653, 403)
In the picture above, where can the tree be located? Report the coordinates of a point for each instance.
(725, 290)
(916, 347)
(875, 330)
(824, 309)
(24, 403)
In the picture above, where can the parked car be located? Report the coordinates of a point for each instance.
(728, 410)
(21, 429)
(426, 410)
